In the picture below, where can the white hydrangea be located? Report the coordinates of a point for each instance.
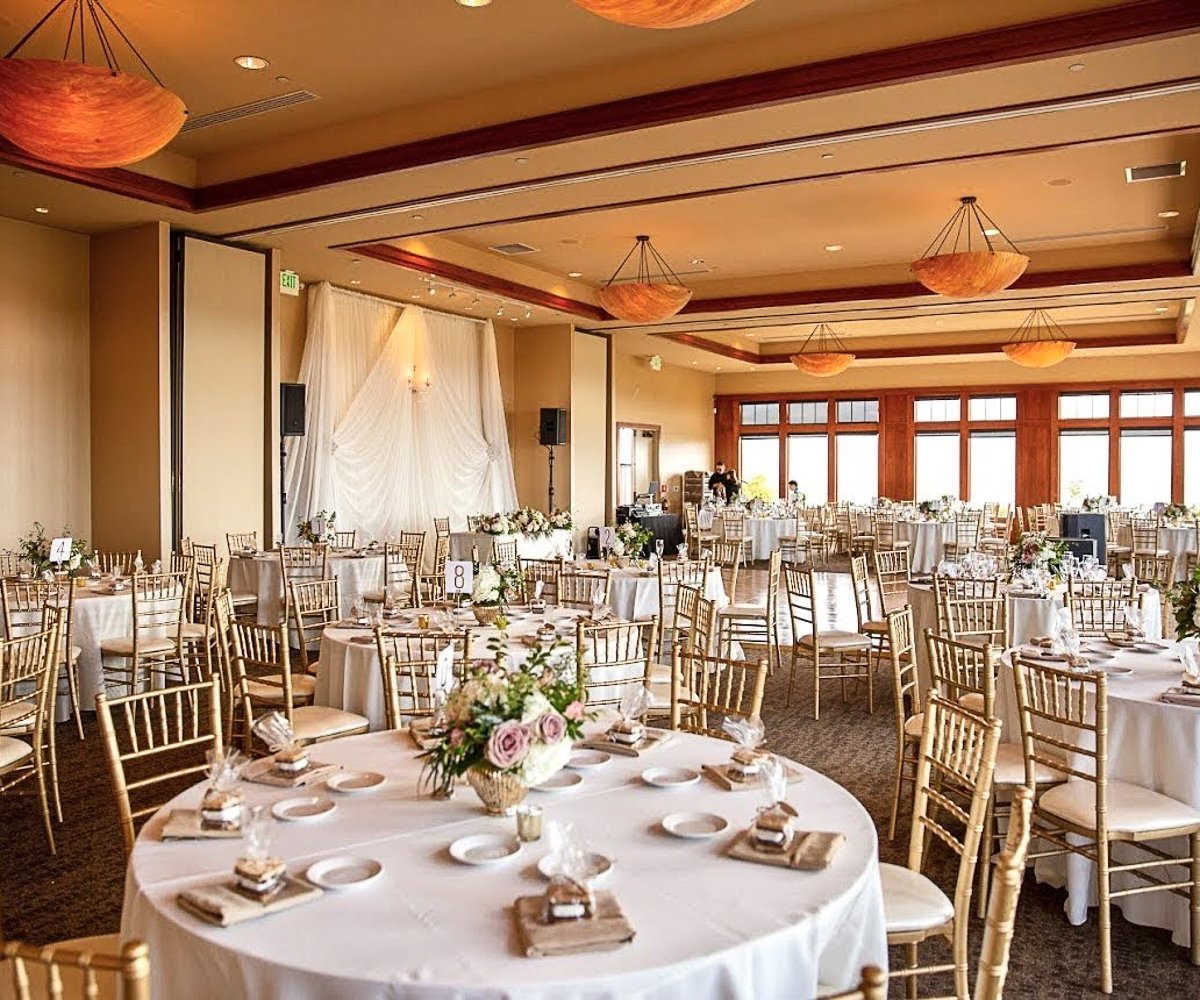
(487, 585)
(544, 760)
(536, 705)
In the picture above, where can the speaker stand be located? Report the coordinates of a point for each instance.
(550, 489)
(282, 490)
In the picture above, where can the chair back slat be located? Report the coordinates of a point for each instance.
(707, 690)
(315, 604)
(613, 656)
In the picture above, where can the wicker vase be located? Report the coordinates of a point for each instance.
(501, 792)
(486, 614)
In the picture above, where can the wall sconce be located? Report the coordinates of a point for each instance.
(418, 383)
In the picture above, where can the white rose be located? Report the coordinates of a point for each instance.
(544, 760)
(536, 705)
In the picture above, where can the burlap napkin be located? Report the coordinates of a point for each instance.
(262, 772)
(607, 930)
(809, 851)
(184, 824)
(654, 738)
(420, 732)
(223, 905)
(1181, 696)
(721, 776)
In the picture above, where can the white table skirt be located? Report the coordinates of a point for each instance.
(1179, 542)
(633, 593)
(261, 575)
(706, 926)
(765, 533)
(95, 619)
(1150, 744)
(926, 542)
(557, 544)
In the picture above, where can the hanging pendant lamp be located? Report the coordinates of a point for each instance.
(1039, 342)
(823, 354)
(645, 300)
(963, 261)
(80, 115)
(663, 13)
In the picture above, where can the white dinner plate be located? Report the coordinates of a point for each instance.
(303, 808)
(597, 866)
(485, 848)
(343, 872)
(588, 758)
(694, 825)
(670, 777)
(561, 782)
(1115, 671)
(355, 782)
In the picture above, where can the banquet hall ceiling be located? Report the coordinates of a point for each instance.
(743, 185)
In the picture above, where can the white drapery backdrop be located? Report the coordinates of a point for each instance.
(387, 458)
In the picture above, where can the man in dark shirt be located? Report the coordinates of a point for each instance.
(727, 480)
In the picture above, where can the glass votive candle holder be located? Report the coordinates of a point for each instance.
(529, 823)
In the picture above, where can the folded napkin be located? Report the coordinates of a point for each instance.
(607, 930)
(654, 738)
(1181, 696)
(721, 776)
(262, 772)
(223, 905)
(809, 851)
(419, 731)
(363, 640)
(184, 824)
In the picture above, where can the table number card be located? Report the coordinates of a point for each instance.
(460, 577)
(608, 537)
(60, 550)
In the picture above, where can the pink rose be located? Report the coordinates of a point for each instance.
(456, 737)
(574, 710)
(508, 745)
(551, 727)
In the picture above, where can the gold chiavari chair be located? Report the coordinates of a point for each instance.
(212, 573)
(977, 620)
(1118, 543)
(695, 621)
(612, 657)
(728, 557)
(544, 571)
(12, 563)
(909, 712)
(1064, 716)
(883, 527)
(835, 655)
(893, 571)
(577, 589)
(957, 588)
(997, 529)
(1098, 606)
(876, 629)
(24, 605)
(967, 534)
(199, 634)
(1145, 534)
(441, 527)
(87, 968)
(148, 733)
(707, 690)
(410, 663)
(240, 541)
(504, 552)
(733, 531)
(28, 668)
(956, 757)
(433, 583)
(345, 539)
(223, 619)
(300, 564)
(156, 643)
(115, 562)
(1002, 905)
(753, 622)
(397, 579)
(1156, 570)
(698, 541)
(315, 605)
(872, 986)
(803, 546)
(671, 575)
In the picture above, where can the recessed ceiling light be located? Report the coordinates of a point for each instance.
(991, 232)
(1077, 67)
(834, 247)
(693, 362)
(252, 62)
(718, 367)
(695, 261)
(1059, 182)
(826, 156)
(355, 281)
(574, 274)
(42, 211)
(522, 160)
(474, 3)
(418, 218)
(1169, 214)
(355, 260)
(283, 79)
(1161, 309)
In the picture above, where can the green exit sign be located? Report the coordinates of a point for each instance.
(289, 283)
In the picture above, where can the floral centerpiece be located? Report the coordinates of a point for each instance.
(1034, 551)
(1185, 603)
(561, 520)
(1175, 512)
(35, 550)
(530, 521)
(1097, 504)
(756, 488)
(495, 524)
(494, 587)
(631, 539)
(314, 529)
(507, 730)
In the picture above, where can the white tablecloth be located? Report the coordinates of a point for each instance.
(261, 575)
(765, 533)
(1179, 542)
(1150, 744)
(927, 540)
(557, 543)
(707, 926)
(96, 617)
(633, 593)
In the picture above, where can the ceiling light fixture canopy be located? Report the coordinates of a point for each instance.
(823, 354)
(663, 13)
(81, 115)
(646, 299)
(964, 261)
(1039, 342)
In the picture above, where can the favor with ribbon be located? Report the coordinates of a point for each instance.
(276, 732)
(1189, 656)
(747, 760)
(221, 807)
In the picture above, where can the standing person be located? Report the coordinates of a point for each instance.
(727, 479)
(793, 491)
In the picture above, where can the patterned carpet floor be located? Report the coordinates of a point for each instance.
(78, 891)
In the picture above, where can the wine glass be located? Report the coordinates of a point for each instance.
(1135, 620)
(659, 546)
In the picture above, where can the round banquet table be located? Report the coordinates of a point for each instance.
(706, 925)
(261, 574)
(1028, 616)
(1179, 541)
(98, 615)
(765, 533)
(1150, 743)
(926, 542)
(633, 593)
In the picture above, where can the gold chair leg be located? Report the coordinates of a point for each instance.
(911, 960)
(39, 765)
(816, 684)
(1102, 882)
(791, 678)
(984, 864)
(896, 790)
(73, 691)
(1194, 899)
(52, 744)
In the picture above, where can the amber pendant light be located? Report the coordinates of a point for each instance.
(823, 354)
(1039, 342)
(80, 115)
(663, 13)
(645, 299)
(962, 260)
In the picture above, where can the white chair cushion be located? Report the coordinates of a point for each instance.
(742, 611)
(1131, 808)
(661, 693)
(875, 628)
(267, 687)
(193, 631)
(12, 751)
(914, 724)
(911, 902)
(123, 646)
(72, 654)
(244, 597)
(23, 710)
(378, 596)
(313, 722)
(972, 701)
(1010, 767)
(838, 640)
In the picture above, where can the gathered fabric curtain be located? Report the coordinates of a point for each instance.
(388, 457)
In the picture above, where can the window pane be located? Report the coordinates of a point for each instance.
(1146, 404)
(1145, 467)
(937, 466)
(808, 413)
(992, 408)
(857, 467)
(624, 465)
(928, 411)
(1083, 406)
(1191, 467)
(760, 413)
(993, 467)
(1191, 403)
(760, 458)
(1082, 465)
(808, 464)
(858, 411)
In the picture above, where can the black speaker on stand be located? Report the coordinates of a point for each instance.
(293, 400)
(552, 431)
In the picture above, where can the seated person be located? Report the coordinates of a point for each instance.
(727, 480)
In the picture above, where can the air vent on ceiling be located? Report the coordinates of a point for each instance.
(513, 249)
(1158, 172)
(248, 110)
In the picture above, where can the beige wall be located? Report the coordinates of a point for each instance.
(293, 328)
(542, 378)
(590, 432)
(130, 390)
(680, 402)
(44, 380)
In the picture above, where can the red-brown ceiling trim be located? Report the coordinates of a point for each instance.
(481, 280)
